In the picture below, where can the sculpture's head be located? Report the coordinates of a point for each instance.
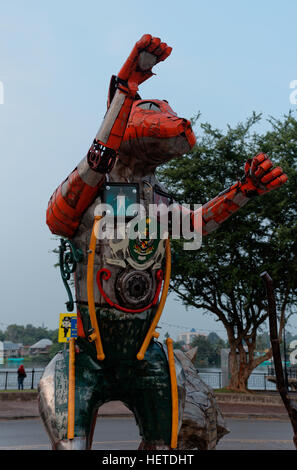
(155, 134)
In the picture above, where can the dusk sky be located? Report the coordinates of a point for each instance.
(229, 59)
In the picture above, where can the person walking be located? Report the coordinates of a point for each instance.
(21, 375)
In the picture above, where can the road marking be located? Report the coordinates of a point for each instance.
(242, 441)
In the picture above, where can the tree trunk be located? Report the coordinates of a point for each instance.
(238, 381)
(240, 372)
(242, 363)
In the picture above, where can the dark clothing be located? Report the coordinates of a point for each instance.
(21, 375)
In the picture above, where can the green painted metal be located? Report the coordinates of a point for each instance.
(143, 386)
(69, 256)
(144, 248)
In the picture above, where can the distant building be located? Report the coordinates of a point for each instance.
(41, 347)
(11, 349)
(188, 336)
(25, 350)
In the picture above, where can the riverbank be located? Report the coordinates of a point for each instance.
(23, 404)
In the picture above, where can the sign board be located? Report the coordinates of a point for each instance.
(67, 327)
(73, 333)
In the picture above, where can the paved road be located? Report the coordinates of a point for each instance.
(122, 434)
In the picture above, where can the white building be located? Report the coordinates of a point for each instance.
(188, 336)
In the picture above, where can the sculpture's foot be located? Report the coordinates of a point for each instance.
(203, 424)
(52, 398)
(78, 443)
(153, 446)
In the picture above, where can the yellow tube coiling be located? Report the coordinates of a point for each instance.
(95, 336)
(151, 332)
(174, 394)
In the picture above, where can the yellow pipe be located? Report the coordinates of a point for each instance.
(151, 332)
(174, 394)
(71, 389)
(95, 336)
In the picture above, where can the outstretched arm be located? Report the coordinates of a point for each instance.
(77, 192)
(259, 179)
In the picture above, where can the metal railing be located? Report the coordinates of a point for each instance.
(257, 381)
(260, 382)
(9, 379)
(291, 372)
(213, 379)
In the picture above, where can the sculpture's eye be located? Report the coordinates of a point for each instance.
(149, 105)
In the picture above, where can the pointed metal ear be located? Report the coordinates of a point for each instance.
(192, 354)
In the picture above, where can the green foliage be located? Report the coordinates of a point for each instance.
(178, 344)
(223, 276)
(209, 350)
(54, 349)
(206, 354)
(263, 341)
(29, 334)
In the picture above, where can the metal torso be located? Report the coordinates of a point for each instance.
(133, 281)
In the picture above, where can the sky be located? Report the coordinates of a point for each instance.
(229, 59)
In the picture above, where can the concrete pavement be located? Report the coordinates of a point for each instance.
(24, 405)
(21, 409)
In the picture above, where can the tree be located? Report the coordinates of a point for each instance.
(223, 276)
(54, 349)
(28, 334)
(209, 349)
(176, 344)
(206, 354)
(215, 340)
(263, 341)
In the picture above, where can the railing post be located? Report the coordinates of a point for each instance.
(6, 375)
(32, 382)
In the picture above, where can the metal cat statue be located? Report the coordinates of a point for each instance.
(118, 279)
